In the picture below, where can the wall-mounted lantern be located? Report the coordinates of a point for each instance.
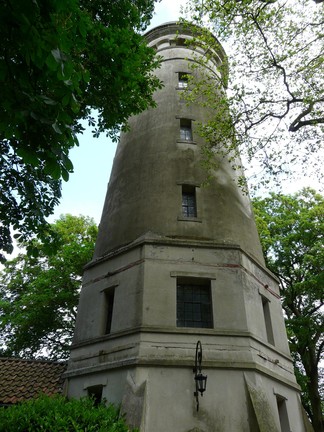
(200, 379)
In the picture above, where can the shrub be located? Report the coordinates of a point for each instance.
(57, 414)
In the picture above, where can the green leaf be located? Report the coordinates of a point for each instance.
(51, 63)
(66, 99)
(67, 163)
(65, 174)
(56, 127)
(86, 76)
(48, 101)
(58, 55)
(28, 155)
(53, 168)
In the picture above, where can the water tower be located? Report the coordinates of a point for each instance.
(177, 290)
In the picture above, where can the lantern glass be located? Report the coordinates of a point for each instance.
(201, 382)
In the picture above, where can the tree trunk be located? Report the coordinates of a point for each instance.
(315, 400)
(313, 391)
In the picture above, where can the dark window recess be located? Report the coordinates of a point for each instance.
(95, 392)
(185, 130)
(181, 42)
(267, 320)
(189, 205)
(183, 80)
(283, 414)
(194, 307)
(109, 309)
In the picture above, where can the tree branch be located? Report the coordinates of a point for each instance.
(296, 124)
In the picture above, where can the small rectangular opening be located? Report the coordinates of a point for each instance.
(182, 80)
(283, 414)
(189, 203)
(181, 42)
(185, 130)
(95, 392)
(109, 299)
(267, 319)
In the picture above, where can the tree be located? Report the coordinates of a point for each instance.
(275, 99)
(291, 229)
(39, 295)
(59, 61)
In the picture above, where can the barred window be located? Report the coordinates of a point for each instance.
(194, 307)
(189, 204)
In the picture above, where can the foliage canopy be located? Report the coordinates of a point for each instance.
(39, 295)
(59, 61)
(275, 84)
(291, 228)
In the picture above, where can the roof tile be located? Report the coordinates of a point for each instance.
(26, 379)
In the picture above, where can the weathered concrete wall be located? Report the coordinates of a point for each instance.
(152, 163)
(145, 294)
(159, 398)
(146, 341)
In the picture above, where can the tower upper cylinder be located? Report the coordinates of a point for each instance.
(157, 170)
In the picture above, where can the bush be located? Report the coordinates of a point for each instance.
(57, 414)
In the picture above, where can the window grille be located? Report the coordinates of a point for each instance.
(189, 205)
(194, 307)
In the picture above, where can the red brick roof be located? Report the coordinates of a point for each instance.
(26, 379)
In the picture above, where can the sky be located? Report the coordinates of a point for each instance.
(85, 192)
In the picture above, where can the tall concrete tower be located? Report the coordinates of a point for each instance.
(178, 280)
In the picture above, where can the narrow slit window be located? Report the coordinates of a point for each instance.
(267, 319)
(182, 80)
(189, 203)
(185, 130)
(194, 307)
(283, 414)
(109, 298)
